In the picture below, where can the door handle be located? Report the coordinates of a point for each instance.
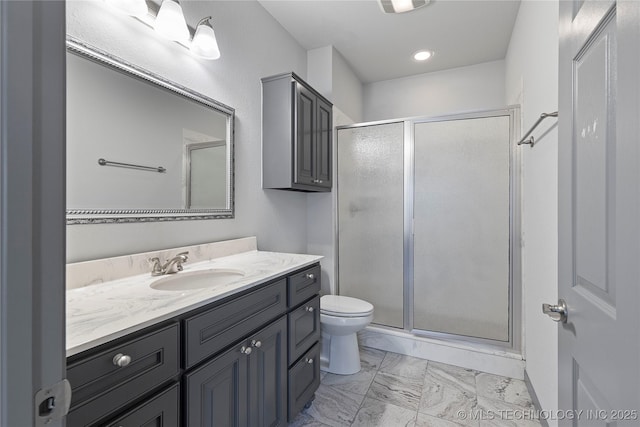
(558, 313)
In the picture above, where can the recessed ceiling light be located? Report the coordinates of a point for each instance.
(422, 55)
(401, 6)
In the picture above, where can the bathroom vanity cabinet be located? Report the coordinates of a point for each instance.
(251, 359)
(297, 137)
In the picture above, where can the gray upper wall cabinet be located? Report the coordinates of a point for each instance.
(297, 135)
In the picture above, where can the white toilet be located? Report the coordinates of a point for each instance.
(340, 319)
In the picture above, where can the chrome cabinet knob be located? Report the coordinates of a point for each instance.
(309, 361)
(309, 309)
(245, 350)
(121, 360)
(310, 276)
(558, 313)
(256, 344)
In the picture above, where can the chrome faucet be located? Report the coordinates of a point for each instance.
(172, 266)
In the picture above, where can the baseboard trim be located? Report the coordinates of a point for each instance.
(534, 398)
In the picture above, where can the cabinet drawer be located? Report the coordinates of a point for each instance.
(162, 410)
(303, 285)
(213, 330)
(304, 379)
(304, 328)
(100, 386)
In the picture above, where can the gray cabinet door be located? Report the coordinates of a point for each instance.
(161, 411)
(304, 328)
(324, 137)
(268, 376)
(216, 393)
(304, 380)
(245, 386)
(305, 134)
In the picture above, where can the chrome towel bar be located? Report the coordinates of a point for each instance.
(103, 162)
(531, 141)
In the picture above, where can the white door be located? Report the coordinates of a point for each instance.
(599, 215)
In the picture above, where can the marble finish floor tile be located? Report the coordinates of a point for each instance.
(334, 407)
(305, 420)
(396, 390)
(357, 383)
(424, 420)
(375, 413)
(404, 366)
(498, 413)
(401, 391)
(463, 376)
(447, 391)
(371, 358)
(502, 388)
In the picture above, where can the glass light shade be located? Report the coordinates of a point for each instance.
(130, 7)
(402, 5)
(170, 22)
(204, 43)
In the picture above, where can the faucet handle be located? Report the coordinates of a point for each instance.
(184, 257)
(180, 258)
(156, 268)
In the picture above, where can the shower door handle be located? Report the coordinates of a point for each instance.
(558, 313)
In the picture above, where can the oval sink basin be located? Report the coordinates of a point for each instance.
(197, 280)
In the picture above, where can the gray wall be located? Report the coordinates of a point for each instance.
(532, 82)
(331, 75)
(253, 45)
(477, 87)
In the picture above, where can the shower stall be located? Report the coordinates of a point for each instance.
(428, 225)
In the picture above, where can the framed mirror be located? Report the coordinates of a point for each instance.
(142, 148)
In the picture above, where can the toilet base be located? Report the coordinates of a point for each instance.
(344, 355)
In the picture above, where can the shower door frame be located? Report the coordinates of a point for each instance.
(515, 228)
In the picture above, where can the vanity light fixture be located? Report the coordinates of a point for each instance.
(422, 55)
(170, 22)
(137, 8)
(204, 43)
(401, 6)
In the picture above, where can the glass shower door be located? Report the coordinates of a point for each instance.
(371, 218)
(461, 280)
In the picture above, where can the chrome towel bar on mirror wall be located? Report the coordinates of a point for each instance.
(103, 162)
(531, 140)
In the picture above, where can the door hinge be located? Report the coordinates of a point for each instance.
(52, 403)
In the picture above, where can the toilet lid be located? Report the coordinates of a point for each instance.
(338, 305)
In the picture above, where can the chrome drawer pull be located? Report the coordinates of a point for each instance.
(256, 344)
(121, 360)
(309, 361)
(311, 276)
(245, 350)
(309, 309)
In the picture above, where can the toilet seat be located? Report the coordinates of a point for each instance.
(341, 306)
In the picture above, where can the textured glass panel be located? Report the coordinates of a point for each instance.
(461, 226)
(370, 218)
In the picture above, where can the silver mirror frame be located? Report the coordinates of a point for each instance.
(101, 216)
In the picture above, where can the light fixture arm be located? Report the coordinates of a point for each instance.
(205, 21)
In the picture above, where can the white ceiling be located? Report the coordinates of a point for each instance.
(379, 46)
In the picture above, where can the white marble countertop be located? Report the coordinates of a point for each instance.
(100, 313)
